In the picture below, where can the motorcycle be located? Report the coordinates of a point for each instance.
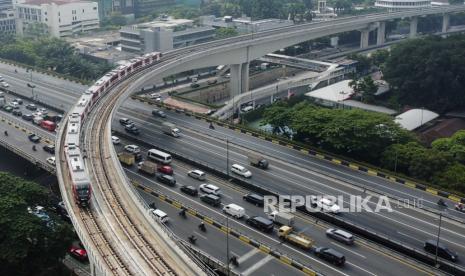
(202, 227)
(34, 148)
(211, 126)
(442, 203)
(6, 133)
(182, 213)
(192, 239)
(460, 207)
(234, 261)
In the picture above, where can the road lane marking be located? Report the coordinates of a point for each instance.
(200, 235)
(257, 265)
(362, 269)
(247, 255)
(353, 252)
(403, 234)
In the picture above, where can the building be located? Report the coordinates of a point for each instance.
(244, 24)
(57, 18)
(146, 7)
(415, 118)
(397, 5)
(7, 22)
(163, 35)
(6, 5)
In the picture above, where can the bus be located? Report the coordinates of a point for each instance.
(159, 156)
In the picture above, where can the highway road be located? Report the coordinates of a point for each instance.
(411, 226)
(362, 259)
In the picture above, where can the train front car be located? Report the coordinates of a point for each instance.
(78, 173)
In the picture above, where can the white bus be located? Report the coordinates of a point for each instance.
(159, 156)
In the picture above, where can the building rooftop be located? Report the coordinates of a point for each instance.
(337, 92)
(415, 118)
(444, 128)
(57, 2)
(369, 107)
(169, 23)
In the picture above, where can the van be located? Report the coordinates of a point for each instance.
(212, 200)
(443, 251)
(210, 189)
(159, 156)
(330, 255)
(234, 210)
(160, 215)
(48, 125)
(255, 199)
(262, 224)
(240, 170)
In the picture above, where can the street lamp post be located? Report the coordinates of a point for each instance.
(227, 245)
(227, 157)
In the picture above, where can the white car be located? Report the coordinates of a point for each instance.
(51, 160)
(197, 174)
(241, 170)
(43, 111)
(210, 189)
(160, 215)
(155, 95)
(115, 140)
(5, 84)
(132, 148)
(325, 204)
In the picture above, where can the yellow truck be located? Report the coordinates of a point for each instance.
(300, 240)
(126, 158)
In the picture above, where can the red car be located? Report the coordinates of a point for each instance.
(78, 253)
(166, 170)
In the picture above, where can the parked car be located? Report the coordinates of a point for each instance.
(190, 190)
(165, 170)
(340, 235)
(210, 189)
(17, 112)
(115, 140)
(34, 138)
(166, 179)
(5, 84)
(51, 160)
(330, 255)
(132, 148)
(43, 111)
(27, 117)
(78, 253)
(8, 108)
(31, 107)
(18, 100)
(49, 149)
(197, 174)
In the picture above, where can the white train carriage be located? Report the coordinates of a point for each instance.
(82, 187)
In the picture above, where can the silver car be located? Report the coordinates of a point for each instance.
(197, 174)
(340, 235)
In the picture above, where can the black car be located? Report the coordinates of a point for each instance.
(17, 112)
(212, 200)
(443, 251)
(132, 129)
(32, 107)
(49, 149)
(19, 101)
(260, 223)
(125, 121)
(28, 117)
(330, 255)
(165, 179)
(254, 199)
(158, 113)
(34, 138)
(190, 190)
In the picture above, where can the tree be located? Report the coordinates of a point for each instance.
(379, 57)
(363, 63)
(28, 245)
(278, 116)
(225, 33)
(454, 145)
(453, 178)
(365, 88)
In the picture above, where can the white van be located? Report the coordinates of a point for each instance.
(240, 170)
(159, 156)
(160, 215)
(234, 210)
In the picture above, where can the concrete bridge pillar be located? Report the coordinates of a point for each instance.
(235, 81)
(413, 26)
(364, 35)
(381, 34)
(245, 77)
(445, 22)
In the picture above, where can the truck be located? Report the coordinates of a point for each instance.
(48, 125)
(257, 160)
(281, 218)
(300, 240)
(147, 167)
(126, 158)
(170, 129)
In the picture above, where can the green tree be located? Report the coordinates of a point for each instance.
(225, 33)
(28, 245)
(379, 57)
(452, 178)
(365, 88)
(278, 116)
(454, 145)
(363, 63)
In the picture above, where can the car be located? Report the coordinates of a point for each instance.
(432, 246)
(31, 107)
(158, 113)
(247, 109)
(330, 255)
(51, 160)
(43, 111)
(15, 105)
(212, 200)
(166, 179)
(138, 156)
(325, 204)
(160, 215)
(190, 190)
(5, 84)
(155, 95)
(17, 112)
(197, 174)
(210, 189)
(34, 138)
(132, 129)
(49, 149)
(241, 170)
(210, 82)
(195, 85)
(258, 200)
(78, 253)
(27, 117)
(18, 100)
(165, 170)
(115, 140)
(340, 235)
(132, 148)
(125, 121)
(8, 108)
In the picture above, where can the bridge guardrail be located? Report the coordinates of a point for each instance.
(340, 222)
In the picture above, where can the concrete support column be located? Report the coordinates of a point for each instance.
(445, 22)
(413, 26)
(364, 35)
(245, 77)
(381, 34)
(235, 81)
